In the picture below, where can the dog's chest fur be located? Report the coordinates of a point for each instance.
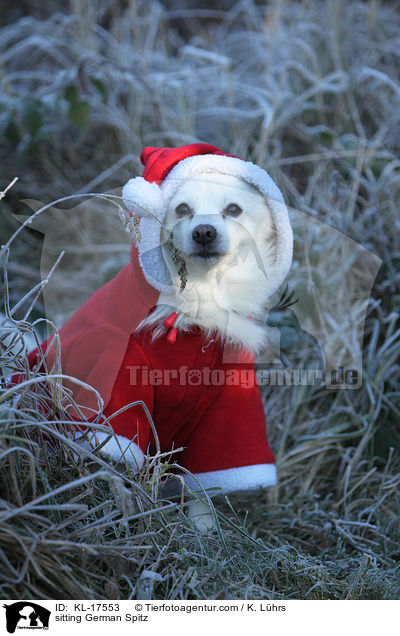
(229, 299)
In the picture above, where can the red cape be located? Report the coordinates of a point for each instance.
(95, 339)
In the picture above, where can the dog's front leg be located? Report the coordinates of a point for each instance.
(200, 513)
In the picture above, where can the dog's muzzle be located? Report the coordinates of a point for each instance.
(204, 234)
(205, 238)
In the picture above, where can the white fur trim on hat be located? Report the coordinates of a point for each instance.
(234, 479)
(200, 164)
(143, 198)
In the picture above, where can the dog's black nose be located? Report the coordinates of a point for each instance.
(204, 234)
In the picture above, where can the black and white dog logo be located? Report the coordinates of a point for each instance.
(26, 615)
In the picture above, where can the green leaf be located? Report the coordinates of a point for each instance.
(32, 117)
(71, 94)
(79, 113)
(11, 132)
(326, 137)
(98, 84)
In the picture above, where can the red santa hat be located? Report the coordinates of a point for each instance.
(166, 170)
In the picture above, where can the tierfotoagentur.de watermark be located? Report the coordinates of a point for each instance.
(245, 378)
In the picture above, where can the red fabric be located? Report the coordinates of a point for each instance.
(94, 340)
(159, 161)
(222, 426)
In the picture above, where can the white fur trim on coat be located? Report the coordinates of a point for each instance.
(234, 479)
(118, 448)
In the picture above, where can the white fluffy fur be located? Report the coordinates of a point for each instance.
(227, 294)
(142, 198)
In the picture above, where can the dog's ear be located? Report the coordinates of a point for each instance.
(154, 266)
(142, 198)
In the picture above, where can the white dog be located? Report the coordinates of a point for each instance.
(227, 238)
(217, 243)
(226, 235)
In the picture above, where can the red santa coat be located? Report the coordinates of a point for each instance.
(219, 420)
(210, 407)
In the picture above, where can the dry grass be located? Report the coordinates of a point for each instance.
(310, 90)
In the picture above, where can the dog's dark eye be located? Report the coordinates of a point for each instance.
(182, 209)
(233, 210)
